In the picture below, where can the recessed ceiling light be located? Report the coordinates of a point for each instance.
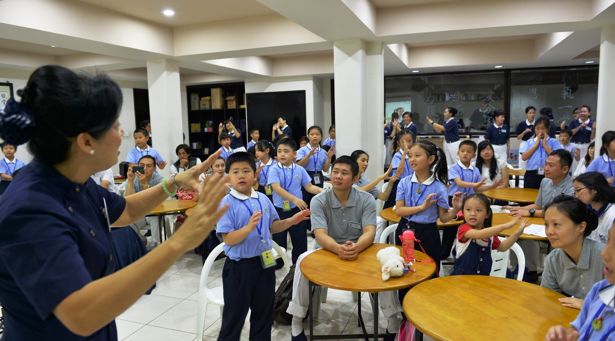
(167, 12)
(52, 45)
(415, 71)
(499, 66)
(589, 62)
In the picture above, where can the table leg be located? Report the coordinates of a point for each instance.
(361, 321)
(418, 335)
(310, 312)
(161, 229)
(375, 309)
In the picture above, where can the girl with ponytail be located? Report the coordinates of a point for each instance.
(605, 164)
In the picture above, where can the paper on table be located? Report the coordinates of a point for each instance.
(536, 230)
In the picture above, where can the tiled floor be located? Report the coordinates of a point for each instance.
(170, 312)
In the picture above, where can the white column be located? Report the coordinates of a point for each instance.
(165, 107)
(359, 100)
(606, 85)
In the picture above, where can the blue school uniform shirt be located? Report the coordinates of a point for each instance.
(498, 135)
(521, 128)
(316, 161)
(263, 176)
(604, 165)
(241, 208)
(467, 174)
(54, 240)
(226, 153)
(538, 159)
(396, 162)
(410, 128)
(408, 192)
(329, 142)
(583, 135)
(136, 153)
(251, 144)
(9, 167)
(451, 130)
(292, 179)
(595, 303)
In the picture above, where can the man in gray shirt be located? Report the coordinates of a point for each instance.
(344, 222)
(557, 181)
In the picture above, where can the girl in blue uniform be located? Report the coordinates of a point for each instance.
(57, 270)
(422, 198)
(536, 151)
(475, 239)
(401, 144)
(605, 163)
(264, 153)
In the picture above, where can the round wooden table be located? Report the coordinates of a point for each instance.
(324, 268)
(484, 308)
(520, 195)
(169, 207)
(389, 215)
(503, 218)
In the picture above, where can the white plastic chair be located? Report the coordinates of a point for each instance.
(388, 235)
(214, 295)
(501, 259)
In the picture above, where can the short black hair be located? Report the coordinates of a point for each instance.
(183, 146)
(253, 130)
(407, 113)
(544, 121)
(224, 135)
(347, 160)
(144, 123)
(142, 131)
(468, 143)
(586, 106)
(547, 111)
(565, 158)
(452, 110)
(566, 131)
(498, 112)
(287, 142)
(147, 157)
(529, 107)
(240, 157)
(7, 144)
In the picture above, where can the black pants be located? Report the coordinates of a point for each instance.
(531, 179)
(298, 234)
(448, 237)
(246, 286)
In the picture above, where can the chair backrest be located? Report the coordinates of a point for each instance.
(209, 262)
(388, 235)
(500, 261)
(280, 252)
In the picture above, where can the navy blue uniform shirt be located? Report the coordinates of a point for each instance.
(521, 128)
(583, 135)
(451, 131)
(54, 240)
(497, 135)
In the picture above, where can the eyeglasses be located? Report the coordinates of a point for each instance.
(577, 190)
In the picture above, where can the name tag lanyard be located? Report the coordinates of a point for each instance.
(292, 174)
(412, 201)
(265, 172)
(465, 190)
(259, 227)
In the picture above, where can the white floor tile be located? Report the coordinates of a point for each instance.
(179, 285)
(151, 333)
(183, 317)
(126, 328)
(148, 307)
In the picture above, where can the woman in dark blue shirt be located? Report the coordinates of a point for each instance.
(57, 271)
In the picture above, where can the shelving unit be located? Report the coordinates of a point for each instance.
(208, 106)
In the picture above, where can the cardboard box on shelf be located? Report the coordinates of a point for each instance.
(216, 98)
(195, 127)
(194, 101)
(231, 103)
(205, 103)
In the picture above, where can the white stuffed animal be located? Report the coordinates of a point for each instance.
(392, 263)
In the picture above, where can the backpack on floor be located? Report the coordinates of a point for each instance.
(282, 299)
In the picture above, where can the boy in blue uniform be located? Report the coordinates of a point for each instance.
(141, 149)
(499, 134)
(255, 136)
(248, 277)
(225, 142)
(9, 165)
(286, 179)
(451, 134)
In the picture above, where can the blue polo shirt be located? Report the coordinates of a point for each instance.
(597, 302)
(226, 153)
(316, 161)
(9, 167)
(135, 154)
(241, 208)
(604, 165)
(498, 135)
(263, 176)
(583, 135)
(292, 179)
(329, 142)
(521, 128)
(468, 174)
(538, 159)
(396, 162)
(251, 144)
(54, 240)
(451, 131)
(410, 128)
(408, 191)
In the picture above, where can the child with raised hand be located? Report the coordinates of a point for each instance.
(423, 198)
(264, 154)
(225, 145)
(476, 239)
(605, 164)
(287, 179)
(248, 276)
(9, 165)
(255, 136)
(141, 149)
(400, 164)
(536, 151)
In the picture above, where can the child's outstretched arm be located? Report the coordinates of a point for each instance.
(489, 232)
(506, 244)
(282, 225)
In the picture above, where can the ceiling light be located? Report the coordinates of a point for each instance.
(167, 12)
(415, 71)
(589, 62)
(499, 66)
(52, 45)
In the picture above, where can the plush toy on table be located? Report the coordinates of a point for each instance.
(391, 262)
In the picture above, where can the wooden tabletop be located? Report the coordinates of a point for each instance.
(119, 181)
(484, 308)
(172, 206)
(503, 218)
(521, 195)
(325, 268)
(389, 215)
